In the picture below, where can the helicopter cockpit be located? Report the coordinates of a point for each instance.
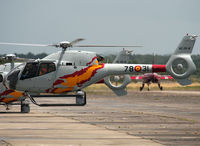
(34, 69)
(29, 70)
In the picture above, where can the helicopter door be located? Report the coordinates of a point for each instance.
(37, 77)
(44, 77)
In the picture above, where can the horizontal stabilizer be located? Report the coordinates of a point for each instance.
(184, 82)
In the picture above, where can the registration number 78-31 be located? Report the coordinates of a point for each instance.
(137, 68)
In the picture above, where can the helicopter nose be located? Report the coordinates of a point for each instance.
(1, 78)
(12, 79)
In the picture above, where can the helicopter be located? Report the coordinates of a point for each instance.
(70, 71)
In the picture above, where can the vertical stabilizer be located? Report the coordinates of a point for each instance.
(186, 45)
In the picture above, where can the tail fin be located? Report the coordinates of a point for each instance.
(180, 64)
(186, 45)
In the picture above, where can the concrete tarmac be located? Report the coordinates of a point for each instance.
(140, 118)
(49, 129)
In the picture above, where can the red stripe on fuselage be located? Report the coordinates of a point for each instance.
(158, 68)
(91, 60)
(6, 92)
(57, 82)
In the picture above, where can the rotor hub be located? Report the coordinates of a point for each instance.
(179, 66)
(64, 44)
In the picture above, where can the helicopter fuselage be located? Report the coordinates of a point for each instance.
(70, 71)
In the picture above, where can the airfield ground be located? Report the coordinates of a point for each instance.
(140, 118)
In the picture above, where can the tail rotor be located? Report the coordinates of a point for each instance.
(180, 64)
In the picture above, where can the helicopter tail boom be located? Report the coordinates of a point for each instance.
(180, 65)
(119, 69)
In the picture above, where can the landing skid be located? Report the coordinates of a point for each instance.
(25, 107)
(80, 99)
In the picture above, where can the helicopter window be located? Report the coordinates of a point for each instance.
(30, 70)
(68, 63)
(43, 69)
(35, 69)
(51, 67)
(100, 58)
(46, 68)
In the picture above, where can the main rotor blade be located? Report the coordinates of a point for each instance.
(58, 45)
(76, 41)
(22, 44)
(104, 46)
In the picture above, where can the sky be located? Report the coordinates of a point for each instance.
(158, 25)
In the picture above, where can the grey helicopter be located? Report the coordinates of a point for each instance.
(70, 71)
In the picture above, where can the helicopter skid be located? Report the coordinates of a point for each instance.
(80, 99)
